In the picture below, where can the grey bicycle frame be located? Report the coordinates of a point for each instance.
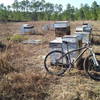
(78, 57)
(87, 47)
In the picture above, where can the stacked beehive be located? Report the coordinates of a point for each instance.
(73, 41)
(85, 32)
(62, 28)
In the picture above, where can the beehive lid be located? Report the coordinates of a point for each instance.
(57, 40)
(87, 33)
(61, 24)
(71, 38)
(27, 26)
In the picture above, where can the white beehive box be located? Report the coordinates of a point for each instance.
(27, 29)
(79, 29)
(56, 45)
(59, 44)
(87, 28)
(62, 28)
(84, 28)
(85, 36)
(73, 42)
(87, 25)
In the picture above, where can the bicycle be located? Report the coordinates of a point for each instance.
(63, 62)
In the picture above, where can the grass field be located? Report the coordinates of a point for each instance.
(22, 72)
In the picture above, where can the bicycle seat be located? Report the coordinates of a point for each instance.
(65, 42)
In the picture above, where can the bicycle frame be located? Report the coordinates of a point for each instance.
(84, 48)
(94, 57)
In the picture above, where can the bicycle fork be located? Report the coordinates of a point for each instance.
(94, 57)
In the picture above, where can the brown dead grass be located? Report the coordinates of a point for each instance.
(29, 80)
(19, 82)
(75, 86)
(24, 86)
(5, 63)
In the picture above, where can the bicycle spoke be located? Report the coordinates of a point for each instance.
(55, 63)
(92, 69)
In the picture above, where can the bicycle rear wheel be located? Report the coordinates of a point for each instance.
(55, 63)
(91, 68)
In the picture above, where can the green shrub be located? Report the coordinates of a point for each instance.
(18, 38)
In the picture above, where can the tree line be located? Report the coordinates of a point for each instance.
(27, 10)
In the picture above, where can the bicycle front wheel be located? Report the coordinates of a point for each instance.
(55, 63)
(91, 68)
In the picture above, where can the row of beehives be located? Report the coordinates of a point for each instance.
(60, 27)
(74, 41)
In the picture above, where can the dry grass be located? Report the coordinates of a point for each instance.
(24, 83)
(5, 63)
(75, 87)
(24, 86)
(96, 40)
(22, 73)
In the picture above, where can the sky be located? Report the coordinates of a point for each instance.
(75, 3)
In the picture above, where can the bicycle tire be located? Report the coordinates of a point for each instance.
(63, 67)
(90, 68)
